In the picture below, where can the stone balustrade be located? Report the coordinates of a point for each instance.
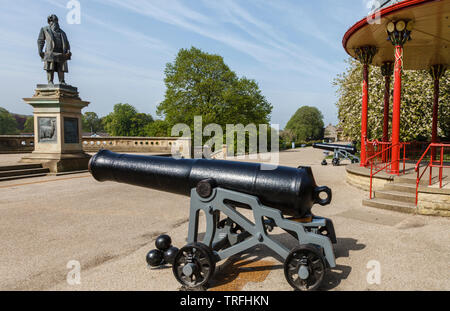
(16, 143)
(163, 145)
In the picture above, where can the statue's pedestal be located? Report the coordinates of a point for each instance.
(57, 128)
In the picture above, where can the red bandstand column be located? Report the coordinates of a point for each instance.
(364, 109)
(399, 32)
(435, 111)
(386, 70)
(437, 72)
(365, 55)
(395, 162)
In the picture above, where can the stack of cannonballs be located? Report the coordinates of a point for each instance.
(163, 254)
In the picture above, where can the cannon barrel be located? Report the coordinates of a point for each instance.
(293, 191)
(332, 147)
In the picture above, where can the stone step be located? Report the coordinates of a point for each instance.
(406, 197)
(23, 172)
(22, 177)
(400, 187)
(424, 181)
(16, 167)
(390, 205)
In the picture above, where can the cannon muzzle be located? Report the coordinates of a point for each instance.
(290, 190)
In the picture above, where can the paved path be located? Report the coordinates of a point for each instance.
(10, 158)
(109, 228)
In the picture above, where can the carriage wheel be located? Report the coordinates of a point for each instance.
(194, 265)
(304, 268)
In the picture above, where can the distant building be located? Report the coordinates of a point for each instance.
(332, 133)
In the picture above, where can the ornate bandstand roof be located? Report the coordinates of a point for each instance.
(430, 35)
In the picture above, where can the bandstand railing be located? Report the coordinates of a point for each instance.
(378, 152)
(431, 163)
(413, 150)
(378, 148)
(382, 160)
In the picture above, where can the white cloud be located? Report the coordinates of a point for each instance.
(267, 46)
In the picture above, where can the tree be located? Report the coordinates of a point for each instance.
(8, 124)
(138, 124)
(444, 121)
(126, 121)
(29, 125)
(201, 84)
(287, 135)
(416, 103)
(306, 124)
(91, 122)
(286, 139)
(158, 128)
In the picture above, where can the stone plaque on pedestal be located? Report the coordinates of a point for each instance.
(47, 130)
(57, 128)
(71, 131)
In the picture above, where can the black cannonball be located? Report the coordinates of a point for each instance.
(155, 258)
(170, 253)
(163, 242)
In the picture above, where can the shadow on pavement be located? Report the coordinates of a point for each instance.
(345, 245)
(341, 272)
(334, 277)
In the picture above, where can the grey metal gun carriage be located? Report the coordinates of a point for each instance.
(340, 152)
(282, 197)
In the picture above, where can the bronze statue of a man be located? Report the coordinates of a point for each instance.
(57, 49)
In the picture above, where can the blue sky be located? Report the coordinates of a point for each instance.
(291, 48)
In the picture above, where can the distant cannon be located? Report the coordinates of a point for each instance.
(340, 152)
(222, 188)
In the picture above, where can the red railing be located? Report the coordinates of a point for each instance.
(432, 163)
(383, 161)
(377, 147)
(413, 151)
(381, 153)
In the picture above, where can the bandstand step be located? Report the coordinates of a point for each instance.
(399, 196)
(390, 205)
(400, 187)
(423, 182)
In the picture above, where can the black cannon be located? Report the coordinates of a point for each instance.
(339, 152)
(221, 188)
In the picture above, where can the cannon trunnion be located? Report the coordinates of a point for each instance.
(220, 189)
